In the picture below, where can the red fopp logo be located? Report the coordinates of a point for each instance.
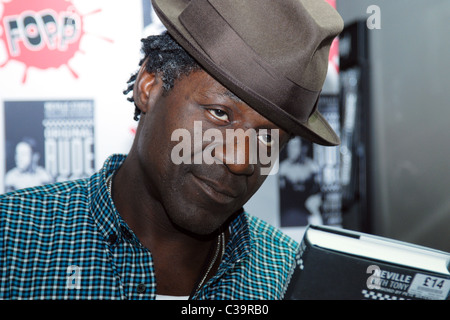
(42, 34)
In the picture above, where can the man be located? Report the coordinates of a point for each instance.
(149, 227)
(27, 171)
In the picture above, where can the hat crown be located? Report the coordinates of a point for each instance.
(298, 34)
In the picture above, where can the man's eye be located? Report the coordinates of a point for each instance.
(219, 114)
(266, 139)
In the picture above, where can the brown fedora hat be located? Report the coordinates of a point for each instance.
(273, 54)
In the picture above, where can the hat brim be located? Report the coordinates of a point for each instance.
(315, 129)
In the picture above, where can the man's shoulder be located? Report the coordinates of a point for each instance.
(58, 189)
(40, 199)
(266, 236)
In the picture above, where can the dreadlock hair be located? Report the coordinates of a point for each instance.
(165, 57)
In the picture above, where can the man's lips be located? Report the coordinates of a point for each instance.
(219, 193)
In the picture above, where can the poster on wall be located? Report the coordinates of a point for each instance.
(309, 178)
(328, 159)
(55, 142)
(54, 55)
(299, 179)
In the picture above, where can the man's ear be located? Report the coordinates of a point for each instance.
(144, 85)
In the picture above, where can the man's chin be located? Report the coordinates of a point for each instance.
(203, 226)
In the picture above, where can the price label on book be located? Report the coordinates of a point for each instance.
(429, 287)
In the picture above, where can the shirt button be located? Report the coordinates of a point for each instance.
(141, 288)
(112, 238)
(126, 233)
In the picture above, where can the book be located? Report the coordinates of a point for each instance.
(339, 264)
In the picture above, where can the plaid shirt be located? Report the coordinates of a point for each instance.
(67, 241)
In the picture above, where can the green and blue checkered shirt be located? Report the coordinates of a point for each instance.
(67, 241)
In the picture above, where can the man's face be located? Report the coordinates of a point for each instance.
(24, 155)
(200, 197)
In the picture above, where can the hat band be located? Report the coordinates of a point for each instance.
(249, 71)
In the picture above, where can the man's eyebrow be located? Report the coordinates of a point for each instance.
(226, 94)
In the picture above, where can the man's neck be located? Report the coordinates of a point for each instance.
(179, 257)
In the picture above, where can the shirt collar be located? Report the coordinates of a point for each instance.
(240, 240)
(102, 206)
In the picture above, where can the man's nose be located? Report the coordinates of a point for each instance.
(238, 153)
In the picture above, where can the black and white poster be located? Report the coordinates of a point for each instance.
(309, 177)
(55, 142)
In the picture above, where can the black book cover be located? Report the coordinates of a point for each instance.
(335, 265)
